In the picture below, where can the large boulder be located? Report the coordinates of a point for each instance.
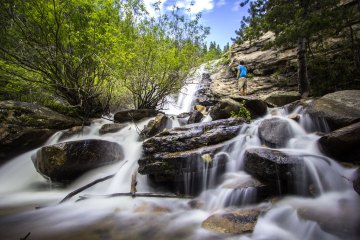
(25, 126)
(343, 144)
(233, 221)
(187, 152)
(155, 126)
(339, 109)
(224, 108)
(134, 115)
(64, 162)
(282, 171)
(256, 107)
(279, 99)
(275, 132)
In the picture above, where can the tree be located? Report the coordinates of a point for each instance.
(164, 51)
(64, 46)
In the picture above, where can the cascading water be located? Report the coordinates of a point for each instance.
(29, 204)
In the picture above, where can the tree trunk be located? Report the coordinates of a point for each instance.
(304, 85)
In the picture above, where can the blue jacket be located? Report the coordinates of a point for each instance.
(243, 71)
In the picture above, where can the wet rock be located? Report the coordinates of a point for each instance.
(279, 99)
(200, 108)
(339, 109)
(193, 136)
(111, 128)
(224, 108)
(283, 172)
(257, 107)
(343, 144)
(25, 126)
(275, 132)
(182, 154)
(195, 117)
(71, 132)
(338, 220)
(233, 221)
(134, 115)
(64, 162)
(295, 117)
(356, 181)
(155, 126)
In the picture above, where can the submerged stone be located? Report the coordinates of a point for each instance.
(275, 132)
(134, 115)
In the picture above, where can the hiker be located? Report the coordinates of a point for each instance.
(242, 80)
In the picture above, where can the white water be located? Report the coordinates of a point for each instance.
(22, 189)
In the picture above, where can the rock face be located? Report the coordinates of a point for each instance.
(281, 171)
(25, 126)
(275, 132)
(188, 151)
(233, 222)
(154, 126)
(343, 144)
(339, 109)
(66, 161)
(134, 115)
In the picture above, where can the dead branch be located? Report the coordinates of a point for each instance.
(73, 193)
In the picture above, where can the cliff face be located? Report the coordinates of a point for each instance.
(271, 71)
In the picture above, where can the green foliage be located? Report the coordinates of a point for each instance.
(242, 113)
(87, 55)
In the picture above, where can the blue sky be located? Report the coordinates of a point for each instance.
(222, 16)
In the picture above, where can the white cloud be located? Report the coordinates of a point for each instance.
(150, 8)
(195, 6)
(220, 3)
(236, 6)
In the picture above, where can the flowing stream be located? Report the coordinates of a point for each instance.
(29, 203)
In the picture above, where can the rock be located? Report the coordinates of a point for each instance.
(275, 132)
(25, 126)
(343, 144)
(200, 108)
(338, 220)
(256, 107)
(111, 128)
(195, 117)
(134, 115)
(280, 99)
(223, 109)
(71, 132)
(64, 162)
(295, 117)
(155, 126)
(193, 136)
(356, 181)
(187, 153)
(339, 109)
(233, 221)
(281, 171)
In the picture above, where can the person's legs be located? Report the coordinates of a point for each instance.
(245, 86)
(241, 82)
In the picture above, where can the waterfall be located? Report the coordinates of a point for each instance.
(29, 203)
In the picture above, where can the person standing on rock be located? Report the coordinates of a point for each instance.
(242, 78)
